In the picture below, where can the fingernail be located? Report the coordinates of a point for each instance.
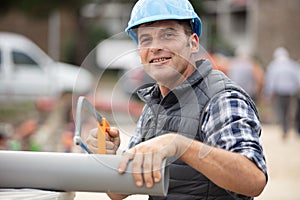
(120, 170)
(156, 180)
(139, 183)
(149, 185)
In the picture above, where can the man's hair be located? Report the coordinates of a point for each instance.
(187, 25)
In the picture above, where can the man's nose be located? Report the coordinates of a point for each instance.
(156, 46)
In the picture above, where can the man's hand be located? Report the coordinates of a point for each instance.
(112, 141)
(147, 158)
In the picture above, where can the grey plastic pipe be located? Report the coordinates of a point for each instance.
(72, 172)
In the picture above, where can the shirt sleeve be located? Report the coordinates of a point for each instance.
(231, 124)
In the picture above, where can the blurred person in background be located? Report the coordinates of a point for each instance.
(281, 86)
(219, 62)
(6, 133)
(3, 140)
(243, 70)
(297, 121)
(197, 117)
(24, 134)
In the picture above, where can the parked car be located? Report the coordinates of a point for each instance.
(28, 73)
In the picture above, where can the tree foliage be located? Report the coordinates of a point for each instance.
(198, 6)
(42, 8)
(39, 8)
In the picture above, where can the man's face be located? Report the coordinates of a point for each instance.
(166, 51)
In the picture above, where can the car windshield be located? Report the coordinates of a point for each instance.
(38, 55)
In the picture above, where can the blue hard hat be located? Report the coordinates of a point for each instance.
(146, 11)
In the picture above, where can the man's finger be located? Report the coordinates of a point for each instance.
(114, 136)
(113, 132)
(126, 157)
(92, 141)
(108, 138)
(147, 170)
(157, 161)
(137, 164)
(110, 145)
(93, 132)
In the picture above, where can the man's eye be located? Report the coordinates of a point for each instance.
(145, 40)
(168, 35)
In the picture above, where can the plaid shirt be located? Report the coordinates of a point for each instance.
(231, 124)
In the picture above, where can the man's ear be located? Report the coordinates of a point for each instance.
(194, 43)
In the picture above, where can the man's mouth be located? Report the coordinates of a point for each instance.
(158, 60)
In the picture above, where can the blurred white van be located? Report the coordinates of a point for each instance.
(27, 73)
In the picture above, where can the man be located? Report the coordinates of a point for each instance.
(246, 72)
(194, 115)
(282, 85)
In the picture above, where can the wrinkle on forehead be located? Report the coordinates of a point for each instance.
(163, 23)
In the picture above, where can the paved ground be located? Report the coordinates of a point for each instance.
(283, 161)
(283, 166)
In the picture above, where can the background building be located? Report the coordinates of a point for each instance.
(72, 29)
(261, 25)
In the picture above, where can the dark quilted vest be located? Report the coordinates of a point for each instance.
(181, 111)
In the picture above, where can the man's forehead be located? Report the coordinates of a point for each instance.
(159, 25)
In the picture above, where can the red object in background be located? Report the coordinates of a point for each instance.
(27, 128)
(45, 103)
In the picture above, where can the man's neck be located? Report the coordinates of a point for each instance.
(165, 89)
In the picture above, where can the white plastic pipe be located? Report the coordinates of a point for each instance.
(72, 172)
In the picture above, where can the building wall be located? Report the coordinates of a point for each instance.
(268, 24)
(37, 29)
(278, 24)
(33, 28)
(259, 25)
